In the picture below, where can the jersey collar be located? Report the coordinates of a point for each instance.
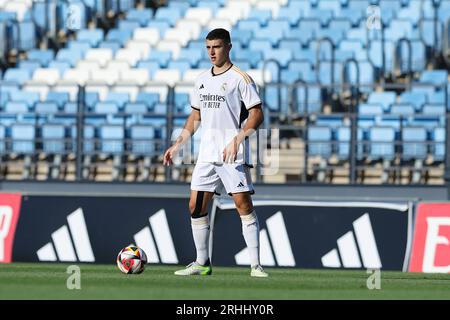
(218, 74)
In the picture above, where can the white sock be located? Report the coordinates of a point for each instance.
(200, 231)
(250, 231)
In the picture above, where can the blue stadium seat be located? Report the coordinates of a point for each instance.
(414, 143)
(2, 139)
(23, 138)
(106, 107)
(417, 99)
(42, 108)
(150, 65)
(293, 16)
(20, 76)
(16, 107)
(282, 56)
(29, 65)
(91, 99)
(42, 56)
(92, 36)
(81, 45)
(386, 99)
(243, 36)
(161, 24)
(120, 36)
(370, 109)
(135, 108)
(319, 141)
(110, 44)
(181, 65)
(60, 98)
(252, 56)
(405, 109)
(434, 109)
(381, 143)
(142, 140)
(311, 104)
(149, 98)
(438, 146)
(343, 136)
(143, 16)
(261, 15)
(61, 66)
(171, 15)
(162, 57)
(53, 136)
(436, 77)
(191, 55)
(119, 98)
(129, 25)
(182, 102)
(29, 97)
(70, 55)
(111, 139)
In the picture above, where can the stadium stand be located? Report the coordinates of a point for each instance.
(111, 76)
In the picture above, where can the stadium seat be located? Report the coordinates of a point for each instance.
(414, 144)
(319, 141)
(23, 138)
(382, 143)
(53, 139)
(438, 146)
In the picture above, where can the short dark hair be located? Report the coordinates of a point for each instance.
(219, 34)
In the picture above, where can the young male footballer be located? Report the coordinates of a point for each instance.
(227, 103)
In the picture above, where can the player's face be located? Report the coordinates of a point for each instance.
(218, 51)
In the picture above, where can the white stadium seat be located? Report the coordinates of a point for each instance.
(47, 75)
(105, 75)
(150, 35)
(79, 76)
(118, 65)
(243, 7)
(138, 76)
(100, 55)
(88, 65)
(142, 47)
(257, 76)
(168, 76)
(220, 23)
(269, 5)
(229, 14)
(192, 26)
(128, 55)
(203, 15)
(181, 35)
(192, 74)
(170, 45)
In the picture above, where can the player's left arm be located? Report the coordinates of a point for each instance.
(254, 120)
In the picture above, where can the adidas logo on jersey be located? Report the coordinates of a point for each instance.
(159, 233)
(201, 87)
(62, 242)
(240, 185)
(275, 237)
(347, 248)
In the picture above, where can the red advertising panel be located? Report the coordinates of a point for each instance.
(431, 246)
(9, 215)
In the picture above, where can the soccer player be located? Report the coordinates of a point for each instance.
(227, 104)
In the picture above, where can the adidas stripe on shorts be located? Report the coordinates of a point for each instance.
(212, 177)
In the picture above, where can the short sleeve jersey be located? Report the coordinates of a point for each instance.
(223, 101)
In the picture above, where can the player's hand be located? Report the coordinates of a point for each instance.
(169, 154)
(230, 152)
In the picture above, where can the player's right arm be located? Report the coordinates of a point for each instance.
(191, 125)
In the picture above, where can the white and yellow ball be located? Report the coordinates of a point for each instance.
(131, 260)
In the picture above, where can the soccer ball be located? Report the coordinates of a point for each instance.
(131, 260)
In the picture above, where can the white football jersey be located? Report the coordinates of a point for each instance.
(223, 101)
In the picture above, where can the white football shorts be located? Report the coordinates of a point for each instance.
(213, 177)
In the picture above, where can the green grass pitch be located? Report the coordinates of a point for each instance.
(157, 282)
